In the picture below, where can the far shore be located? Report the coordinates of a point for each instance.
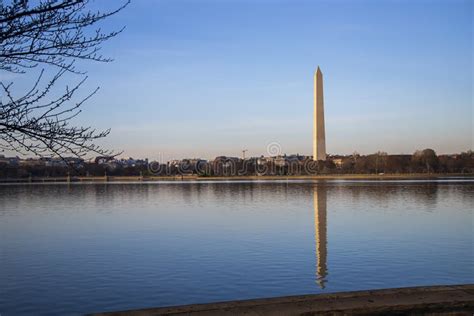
(410, 176)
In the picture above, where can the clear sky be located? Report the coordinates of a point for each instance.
(211, 77)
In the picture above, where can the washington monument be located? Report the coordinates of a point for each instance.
(319, 136)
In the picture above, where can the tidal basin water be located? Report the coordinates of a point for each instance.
(80, 248)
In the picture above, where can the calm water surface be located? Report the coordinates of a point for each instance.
(79, 248)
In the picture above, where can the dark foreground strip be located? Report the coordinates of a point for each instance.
(432, 300)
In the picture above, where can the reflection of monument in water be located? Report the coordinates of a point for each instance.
(320, 228)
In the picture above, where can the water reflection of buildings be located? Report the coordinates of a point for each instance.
(320, 227)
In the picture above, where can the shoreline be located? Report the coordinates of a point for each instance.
(196, 178)
(424, 300)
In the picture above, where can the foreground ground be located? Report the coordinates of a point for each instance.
(434, 300)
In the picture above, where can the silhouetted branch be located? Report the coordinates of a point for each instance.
(32, 124)
(54, 33)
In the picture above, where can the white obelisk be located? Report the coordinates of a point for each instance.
(319, 136)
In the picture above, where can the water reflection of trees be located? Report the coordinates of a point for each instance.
(381, 194)
(390, 194)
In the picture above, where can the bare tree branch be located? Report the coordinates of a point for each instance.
(52, 33)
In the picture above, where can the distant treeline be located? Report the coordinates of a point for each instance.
(423, 161)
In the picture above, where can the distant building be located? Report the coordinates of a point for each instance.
(30, 162)
(338, 161)
(103, 159)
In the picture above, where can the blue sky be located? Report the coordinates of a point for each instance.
(211, 77)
